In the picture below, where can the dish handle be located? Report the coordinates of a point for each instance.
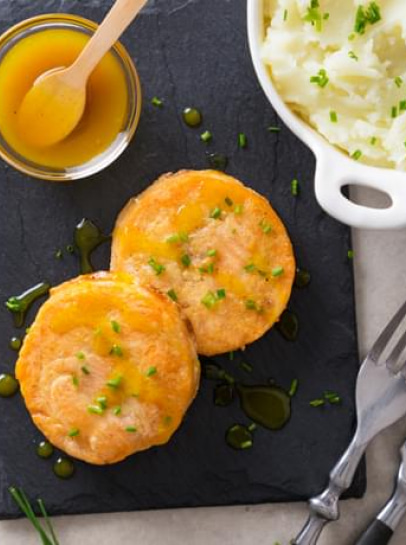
(332, 175)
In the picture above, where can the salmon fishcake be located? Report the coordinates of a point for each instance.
(108, 368)
(214, 246)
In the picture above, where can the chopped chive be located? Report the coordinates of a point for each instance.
(250, 304)
(206, 136)
(252, 427)
(277, 271)
(115, 326)
(186, 261)
(285, 15)
(114, 382)
(373, 139)
(246, 444)
(80, 355)
(85, 370)
(58, 254)
(350, 254)
(293, 387)
(95, 409)
(117, 410)
(250, 267)
(317, 403)
(172, 294)
(131, 429)
(246, 367)
(353, 56)
(221, 293)
(102, 402)
(116, 350)
(242, 140)
(209, 300)
(274, 129)
(238, 209)
(333, 116)
(366, 15)
(402, 105)
(357, 154)
(321, 79)
(398, 81)
(228, 201)
(265, 226)
(75, 381)
(157, 267)
(394, 112)
(215, 213)
(155, 101)
(211, 253)
(151, 371)
(74, 432)
(210, 268)
(404, 143)
(294, 187)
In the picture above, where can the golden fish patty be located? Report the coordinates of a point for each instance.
(216, 247)
(108, 368)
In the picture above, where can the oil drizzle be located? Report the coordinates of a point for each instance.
(88, 237)
(8, 385)
(45, 449)
(64, 468)
(15, 343)
(288, 325)
(239, 437)
(19, 305)
(217, 161)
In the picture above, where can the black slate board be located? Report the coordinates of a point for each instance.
(190, 52)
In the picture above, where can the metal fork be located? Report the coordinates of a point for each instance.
(381, 401)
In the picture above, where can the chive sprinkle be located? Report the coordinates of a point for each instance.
(80, 356)
(285, 15)
(252, 427)
(115, 382)
(215, 213)
(151, 371)
(250, 267)
(293, 387)
(277, 271)
(238, 210)
(353, 56)
(211, 253)
(95, 409)
(58, 254)
(228, 201)
(265, 226)
(317, 403)
(246, 367)
(294, 187)
(242, 140)
(209, 300)
(74, 432)
(250, 304)
(221, 293)
(116, 350)
(117, 410)
(274, 129)
(373, 141)
(394, 112)
(102, 402)
(115, 326)
(350, 254)
(206, 136)
(157, 267)
(155, 101)
(333, 116)
(357, 154)
(321, 79)
(172, 294)
(85, 370)
(366, 16)
(398, 81)
(186, 260)
(131, 429)
(402, 105)
(75, 381)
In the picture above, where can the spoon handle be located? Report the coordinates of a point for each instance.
(116, 21)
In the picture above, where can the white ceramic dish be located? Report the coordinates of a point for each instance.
(334, 169)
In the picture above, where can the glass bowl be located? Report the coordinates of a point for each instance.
(73, 22)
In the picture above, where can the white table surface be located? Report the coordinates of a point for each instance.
(380, 267)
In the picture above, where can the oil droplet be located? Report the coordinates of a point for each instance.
(217, 161)
(239, 437)
(269, 406)
(45, 449)
(20, 304)
(223, 395)
(87, 238)
(8, 385)
(64, 468)
(288, 325)
(15, 343)
(192, 117)
(302, 278)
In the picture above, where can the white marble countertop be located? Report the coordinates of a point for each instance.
(380, 267)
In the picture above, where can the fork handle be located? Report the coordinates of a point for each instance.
(325, 507)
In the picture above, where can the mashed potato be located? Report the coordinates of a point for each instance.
(341, 65)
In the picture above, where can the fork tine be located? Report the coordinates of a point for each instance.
(387, 333)
(396, 353)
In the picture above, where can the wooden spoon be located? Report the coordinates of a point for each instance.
(55, 104)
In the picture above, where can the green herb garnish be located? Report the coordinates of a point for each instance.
(333, 116)
(95, 409)
(394, 112)
(277, 271)
(398, 81)
(186, 260)
(215, 213)
(294, 187)
(211, 253)
(58, 254)
(85, 370)
(115, 382)
(102, 402)
(80, 355)
(274, 129)
(321, 79)
(357, 154)
(206, 136)
(242, 140)
(75, 381)
(221, 294)
(246, 367)
(115, 326)
(317, 403)
(265, 226)
(117, 410)
(353, 56)
(116, 350)
(172, 294)
(131, 429)
(157, 267)
(151, 372)
(228, 201)
(74, 432)
(238, 210)
(155, 101)
(293, 387)
(366, 16)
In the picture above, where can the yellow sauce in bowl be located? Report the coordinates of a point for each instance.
(106, 106)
